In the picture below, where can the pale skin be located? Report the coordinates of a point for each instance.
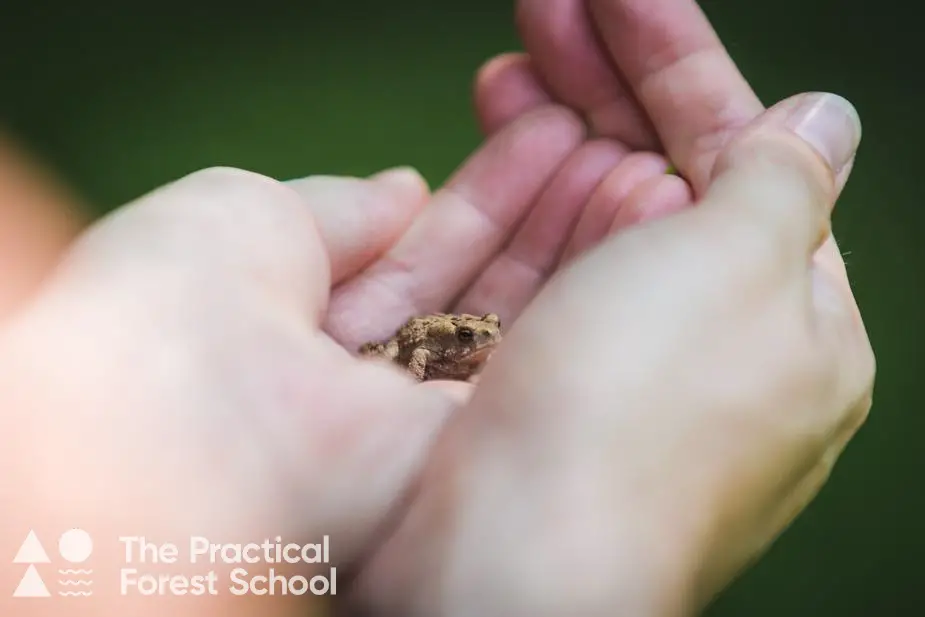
(716, 363)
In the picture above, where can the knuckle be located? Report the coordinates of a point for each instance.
(219, 210)
(240, 197)
(862, 387)
(234, 182)
(835, 379)
(224, 175)
(793, 165)
(860, 411)
(849, 342)
(780, 184)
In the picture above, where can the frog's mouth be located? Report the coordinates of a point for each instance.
(479, 354)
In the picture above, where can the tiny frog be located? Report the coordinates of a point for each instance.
(441, 345)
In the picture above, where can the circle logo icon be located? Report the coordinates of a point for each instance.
(75, 546)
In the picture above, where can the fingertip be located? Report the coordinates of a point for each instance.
(498, 65)
(607, 199)
(568, 57)
(676, 66)
(506, 87)
(776, 190)
(812, 125)
(842, 178)
(560, 38)
(405, 182)
(360, 219)
(830, 124)
(654, 198)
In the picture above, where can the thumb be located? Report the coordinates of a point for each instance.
(782, 174)
(359, 219)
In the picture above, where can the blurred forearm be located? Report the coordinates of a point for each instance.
(38, 219)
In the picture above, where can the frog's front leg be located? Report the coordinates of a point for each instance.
(391, 350)
(387, 350)
(418, 364)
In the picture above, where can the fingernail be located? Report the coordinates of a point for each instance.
(402, 178)
(828, 122)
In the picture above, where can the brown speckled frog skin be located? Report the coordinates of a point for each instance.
(441, 345)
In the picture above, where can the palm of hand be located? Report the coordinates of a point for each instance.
(552, 182)
(540, 191)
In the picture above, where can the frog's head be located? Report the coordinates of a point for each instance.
(467, 339)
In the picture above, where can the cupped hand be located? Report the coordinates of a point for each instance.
(489, 238)
(549, 184)
(662, 410)
(651, 74)
(199, 341)
(652, 83)
(180, 339)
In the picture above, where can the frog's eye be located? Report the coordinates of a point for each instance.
(465, 334)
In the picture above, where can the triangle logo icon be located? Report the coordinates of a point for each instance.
(31, 585)
(31, 551)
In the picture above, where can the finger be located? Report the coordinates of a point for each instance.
(375, 432)
(682, 75)
(466, 223)
(38, 220)
(515, 276)
(654, 198)
(220, 227)
(603, 205)
(360, 219)
(505, 88)
(458, 392)
(560, 38)
(777, 182)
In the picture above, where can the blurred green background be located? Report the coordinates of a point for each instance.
(120, 100)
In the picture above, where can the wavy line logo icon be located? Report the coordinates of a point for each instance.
(75, 547)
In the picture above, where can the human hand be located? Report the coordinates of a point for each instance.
(661, 412)
(651, 76)
(197, 331)
(493, 236)
(653, 83)
(654, 77)
(660, 86)
(490, 237)
(38, 218)
(170, 378)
